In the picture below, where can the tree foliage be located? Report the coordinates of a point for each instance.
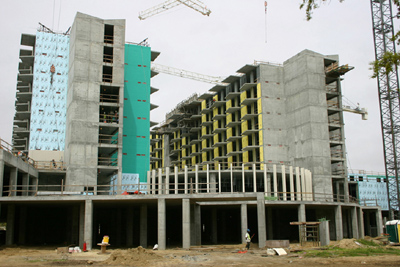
(389, 60)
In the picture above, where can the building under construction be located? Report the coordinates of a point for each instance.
(263, 148)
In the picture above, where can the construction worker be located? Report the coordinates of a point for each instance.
(248, 239)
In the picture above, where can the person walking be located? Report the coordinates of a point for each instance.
(248, 239)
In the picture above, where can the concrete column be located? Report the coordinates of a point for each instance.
(13, 181)
(379, 226)
(243, 182)
(213, 181)
(254, 179)
(153, 182)
(262, 234)
(284, 188)
(81, 224)
(298, 185)
(270, 233)
(208, 178)
(303, 184)
(197, 178)
(231, 178)
(186, 179)
(176, 179)
(354, 224)
(301, 211)
(22, 225)
(244, 225)
(88, 235)
(148, 182)
(275, 181)
(265, 178)
(25, 184)
(129, 227)
(291, 183)
(214, 231)
(10, 224)
(185, 223)
(161, 224)
(219, 178)
(338, 222)
(1, 177)
(360, 223)
(160, 182)
(269, 179)
(324, 235)
(167, 180)
(143, 226)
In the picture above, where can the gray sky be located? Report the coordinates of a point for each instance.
(233, 35)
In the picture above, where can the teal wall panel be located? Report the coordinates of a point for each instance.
(136, 131)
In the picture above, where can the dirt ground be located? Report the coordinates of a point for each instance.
(223, 255)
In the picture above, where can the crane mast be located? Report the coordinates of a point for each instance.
(388, 84)
(194, 4)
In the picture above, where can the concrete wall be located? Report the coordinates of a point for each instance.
(307, 117)
(84, 80)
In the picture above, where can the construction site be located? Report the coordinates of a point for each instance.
(262, 151)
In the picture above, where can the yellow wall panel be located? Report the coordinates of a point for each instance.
(243, 96)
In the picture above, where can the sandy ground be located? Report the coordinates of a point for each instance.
(224, 255)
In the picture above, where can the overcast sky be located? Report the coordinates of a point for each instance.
(236, 33)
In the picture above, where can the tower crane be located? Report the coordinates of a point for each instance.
(194, 4)
(389, 101)
(218, 81)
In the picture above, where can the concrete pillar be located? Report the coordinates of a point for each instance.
(338, 222)
(360, 223)
(291, 183)
(148, 182)
(231, 178)
(270, 233)
(354, 223)
(13, 181)
(1, 177)
(243, 181)
(161, 224)
(129, 227)
(303, 185)
(25, 184)
(143, 226)
(214, 231)
(185, 223)
(301, 211)
(379, 226)
(265, 178)
(81, 224)
(298, 185)
(153, 182)
(324, 236)
(186, 179)
(262, 235)
(275, 181)
(269, 179)
(10, 224)
(219, 178)
(176, 179)
(160, 182)
(88, 234)
(284, 188)
(208, 178)
(244, 226)
(197, 178)
(167, 180)
(213, 182)
(254, 179)
(22, 225)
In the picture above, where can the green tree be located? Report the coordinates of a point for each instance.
(389, 59)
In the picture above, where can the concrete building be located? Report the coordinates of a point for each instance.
(262, 150)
